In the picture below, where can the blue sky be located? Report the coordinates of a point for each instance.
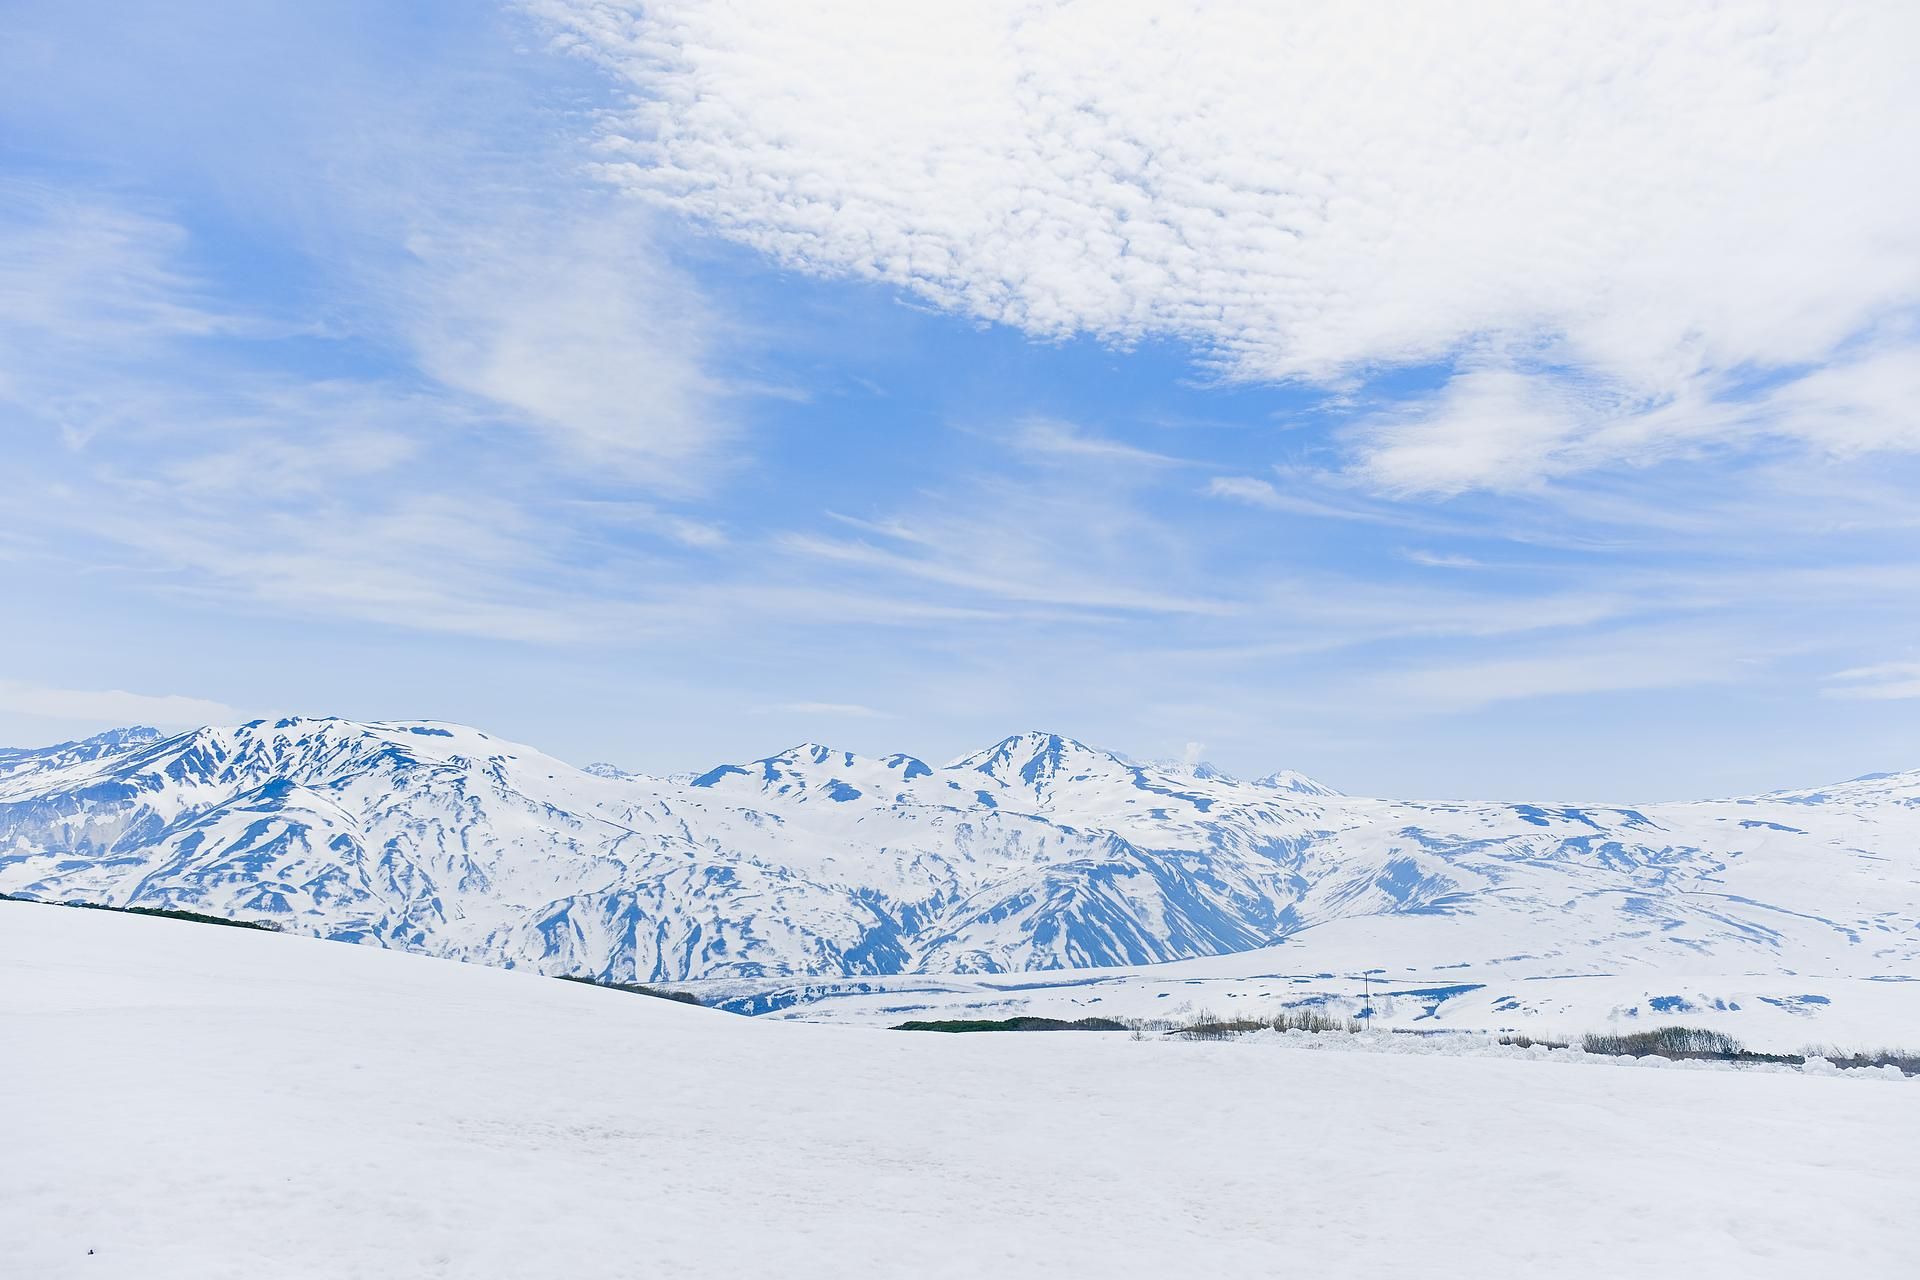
(1502, 403)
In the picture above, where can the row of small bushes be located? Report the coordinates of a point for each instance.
(1527, 1042)
(1665, 1042)
(1697, 1043)
(1677, 1043)
(1205, 1025)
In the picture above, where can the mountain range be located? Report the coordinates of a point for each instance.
(1036, 853)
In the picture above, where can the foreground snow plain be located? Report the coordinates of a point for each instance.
(192, 1101)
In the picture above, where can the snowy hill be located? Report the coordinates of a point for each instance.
(196, 1102)
(1037, 853)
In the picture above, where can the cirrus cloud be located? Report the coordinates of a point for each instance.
(1882, 680)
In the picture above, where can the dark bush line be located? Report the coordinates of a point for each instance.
(1682, 1043)
(638, 989)
(1027, 1023)
(1314, 1020)
(1665, 1042)
(1676, 1043)
(1205, 1025)
(165, 913)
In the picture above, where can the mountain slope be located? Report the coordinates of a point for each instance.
(1036, 853)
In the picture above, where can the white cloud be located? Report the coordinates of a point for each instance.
(89, 290)
(1248, 489)
(112, 706)
(79, 270)
(1496, 428)
(220, 468)
(847, 710)
(1509, 429)
(981, 560)
(1886, 680)
(1613, 212)
(576, 324)
(1051, 438)
(1326, 496)
(1651, 661)
(450, 227)
(1441, 559)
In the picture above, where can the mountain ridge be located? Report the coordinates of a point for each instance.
(1038, 852)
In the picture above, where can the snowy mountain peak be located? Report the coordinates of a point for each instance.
(1035, 759)
(1197, 770)
(132, 735)
(812, 753)
(17, 762)
(1298, 783)
(611, 772)
(802, 770)
(99, 744)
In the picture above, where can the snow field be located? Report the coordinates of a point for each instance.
(190, 1101)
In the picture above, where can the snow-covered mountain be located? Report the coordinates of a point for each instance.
(1038, 852)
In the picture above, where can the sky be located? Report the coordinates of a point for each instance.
(1441, 400)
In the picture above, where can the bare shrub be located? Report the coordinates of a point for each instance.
(1907, 1061)
(1665, 1042)
(1523, 1041)
(1316, 1020)
(1207, 1025)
